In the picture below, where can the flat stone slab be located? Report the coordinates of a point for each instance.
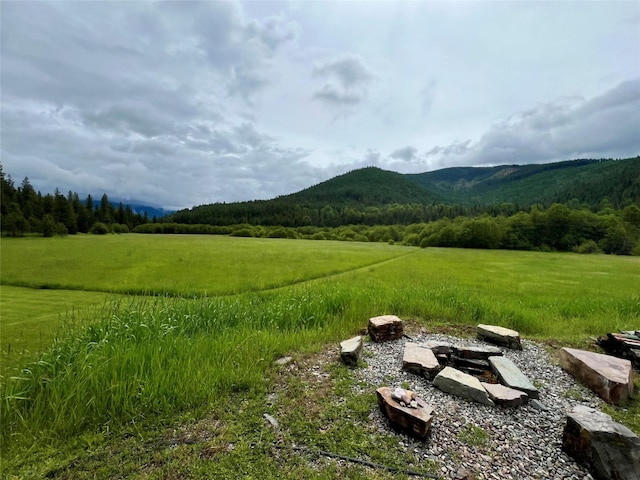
(439, 348)
(385, 327)
(511, 376)
(609, 377)
(415, 421)
(610, 450)
(420, 360)
(471, 365)
(458, 383)
(476, 353)
(350, 350)
(501, 395)
(499, 335)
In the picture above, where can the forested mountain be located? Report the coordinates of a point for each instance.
(373, 196)
(585, 181)
(369, 186)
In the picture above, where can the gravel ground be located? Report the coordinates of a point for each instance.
(523, 442)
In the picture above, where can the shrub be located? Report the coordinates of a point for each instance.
(120, 228)
(242, 232)
(99, 228)
(61, 230)
(588, 246)
(48, 226)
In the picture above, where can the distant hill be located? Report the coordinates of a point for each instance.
(368, 186)
(138, 208)
(150, 211)
(587, 181)
(371, 195)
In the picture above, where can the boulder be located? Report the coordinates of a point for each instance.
(610, 450)
(420, 360)
(385, 327)
(415, 421)
(499, 335)
(350, 350)
(501, 395)
(609, 377)
(476, 353)
(458, 383)
(511, 376)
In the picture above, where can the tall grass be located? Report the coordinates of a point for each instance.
(154, 357)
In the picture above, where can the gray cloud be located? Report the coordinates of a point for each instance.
(347, 79)
(406, 154)
(604, 126)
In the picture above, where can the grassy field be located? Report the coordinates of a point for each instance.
(190, 358)
(177, 265)
(31, 319)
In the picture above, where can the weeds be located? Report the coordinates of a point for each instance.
(473, 436)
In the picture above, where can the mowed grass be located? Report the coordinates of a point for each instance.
(31, 319)
(178, 265)
(145, 361)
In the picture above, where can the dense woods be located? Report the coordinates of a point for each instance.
(23, 211)
(558, 228)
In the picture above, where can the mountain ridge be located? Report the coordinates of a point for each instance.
(587, 183)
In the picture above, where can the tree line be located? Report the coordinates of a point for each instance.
(288, 214)
(556, 228)
(23, 211)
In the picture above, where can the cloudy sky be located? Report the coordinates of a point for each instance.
(176, 104)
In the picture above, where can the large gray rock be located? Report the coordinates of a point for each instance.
(350, 350)
(385, 327)
(501, 395)
(420, 360)
(610, 450)
(511, 376)
(499, 335)
(415, 421)
(458, 383)
(609, 377)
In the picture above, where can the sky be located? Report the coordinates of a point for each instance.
(176, 104)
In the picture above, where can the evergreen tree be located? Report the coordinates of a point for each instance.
(120, 214)
(105, 213)
(63, 213)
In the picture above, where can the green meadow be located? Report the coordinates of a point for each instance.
(177, 265)
(127, 337)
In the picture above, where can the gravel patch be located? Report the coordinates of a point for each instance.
(522, 443)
